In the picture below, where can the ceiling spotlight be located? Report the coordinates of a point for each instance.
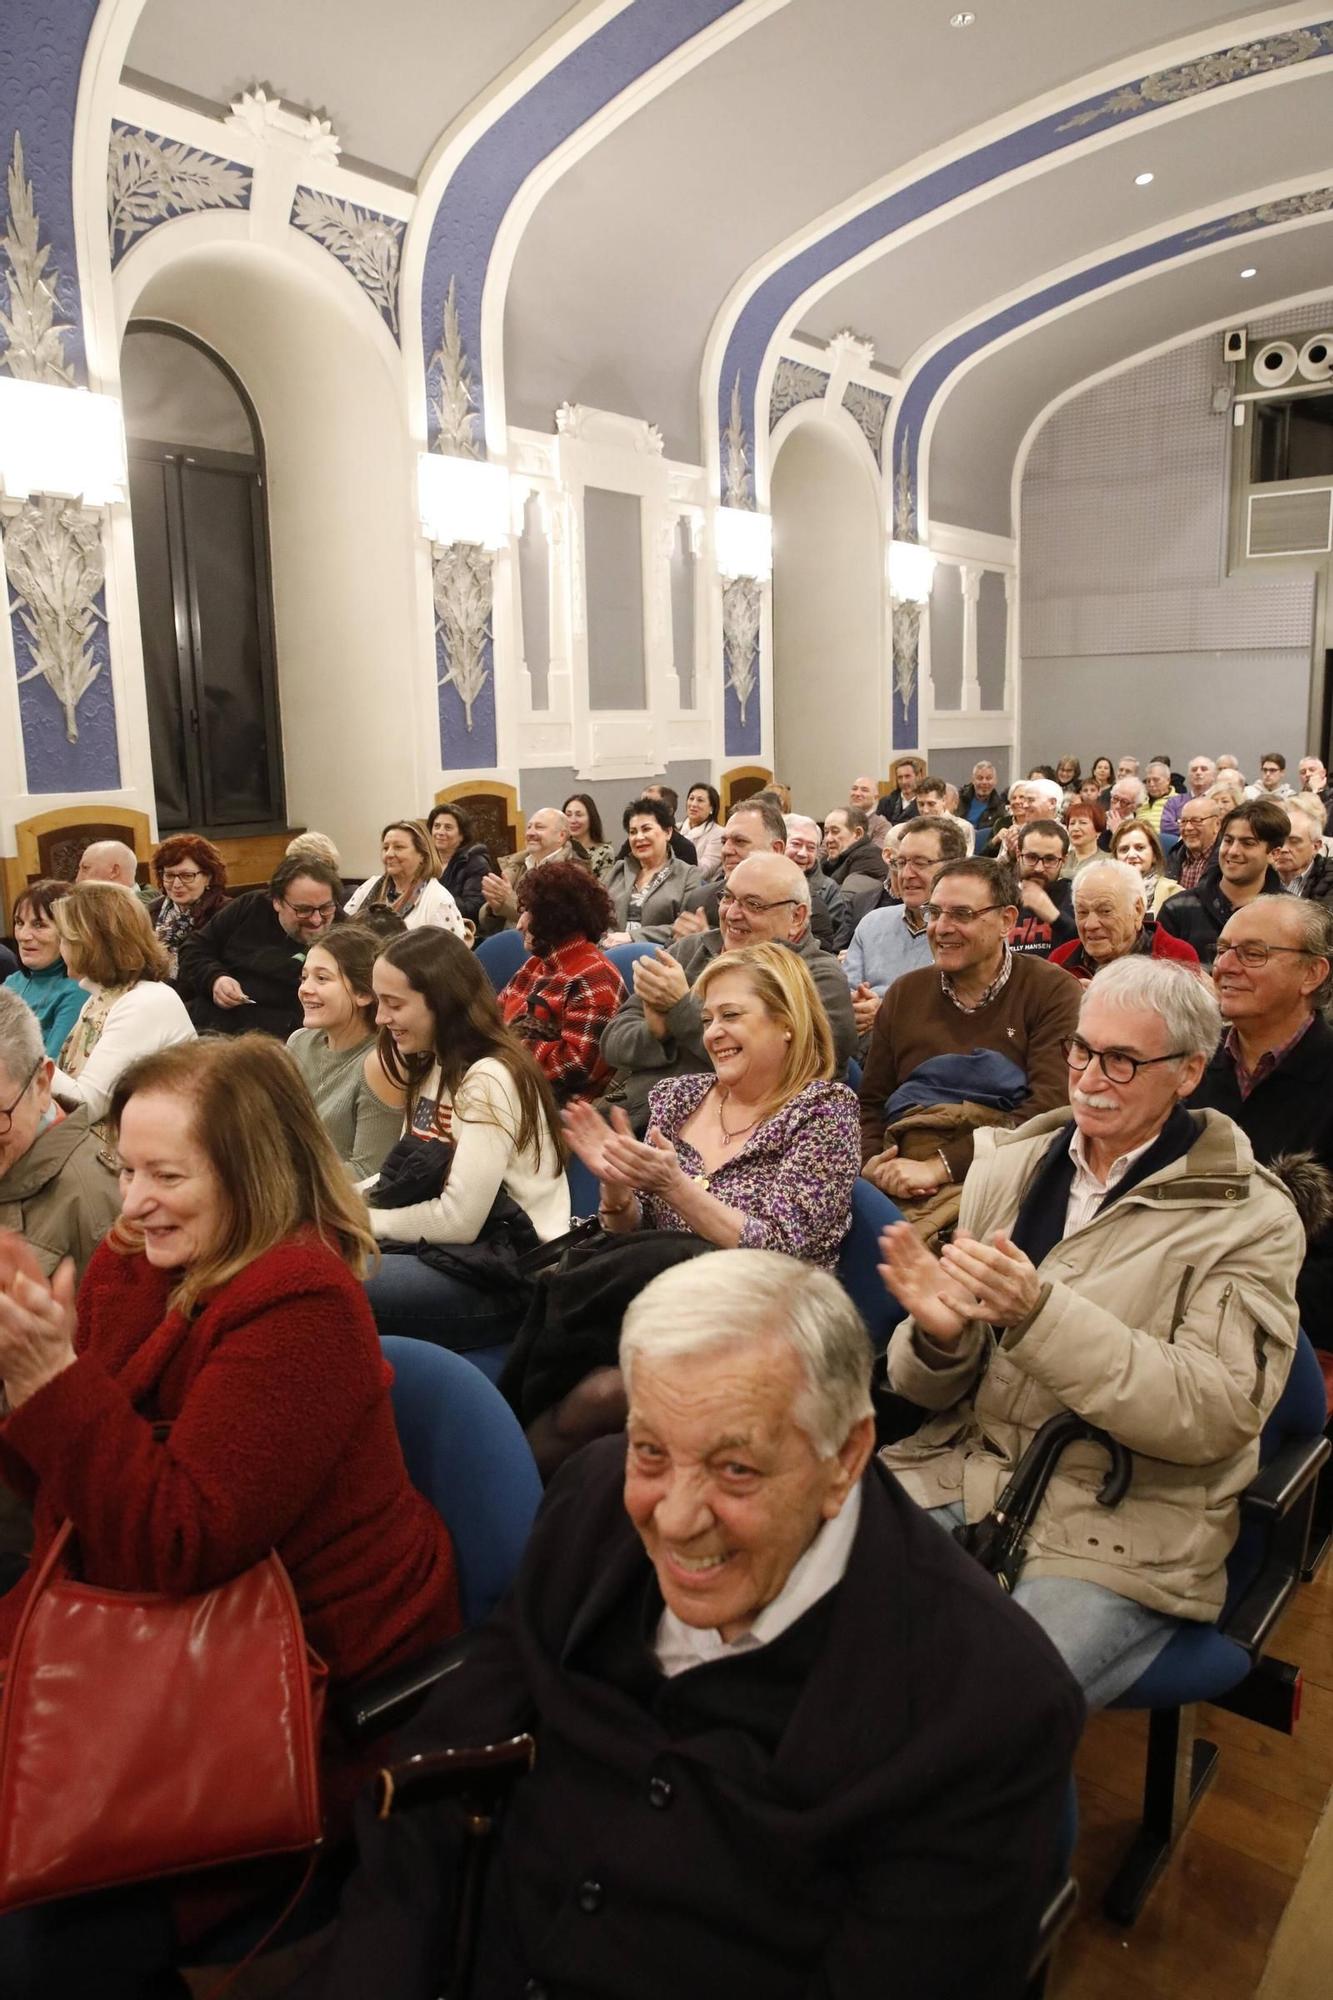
(962, 19)
(1250, 271)
(1142, 180)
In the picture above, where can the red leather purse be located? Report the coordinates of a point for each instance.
(143, 1735)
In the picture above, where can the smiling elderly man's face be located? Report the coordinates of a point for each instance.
(724, 1488)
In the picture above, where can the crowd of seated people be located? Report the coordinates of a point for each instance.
(1055, 999)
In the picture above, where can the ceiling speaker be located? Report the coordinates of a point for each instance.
(1316, 358)
(1274, 364)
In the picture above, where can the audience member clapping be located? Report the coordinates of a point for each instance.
(561, 998)
(410, 883)
(545, 838)
(658, 1032)
(192, 876)
(649, 887)
(755, 826)
(43, 981)
(1111, 914)
(337, 1050)
(216, 1392)
(464, 860)
(108, 945)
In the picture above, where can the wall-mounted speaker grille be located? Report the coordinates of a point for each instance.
(1290, 524)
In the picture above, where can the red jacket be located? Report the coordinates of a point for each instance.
(560, 1005)
(282, 1436)
(1071, 958)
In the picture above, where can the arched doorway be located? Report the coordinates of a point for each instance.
(197, 502)
(828, 569)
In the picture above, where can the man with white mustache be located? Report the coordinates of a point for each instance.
(1135, 1265)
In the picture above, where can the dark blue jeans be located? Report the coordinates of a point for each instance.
(408, 1297)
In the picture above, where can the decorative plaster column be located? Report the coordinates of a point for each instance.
(969, 578)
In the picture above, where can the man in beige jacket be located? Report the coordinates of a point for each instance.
(1131, 1263)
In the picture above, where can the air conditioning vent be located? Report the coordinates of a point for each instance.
(1290, 524)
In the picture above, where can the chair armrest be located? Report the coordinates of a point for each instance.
(1274, 1491)
(375, 1707)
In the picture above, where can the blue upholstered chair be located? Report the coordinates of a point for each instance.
(858, 1260)
(1226, 1663)
(622, 956)
(501, 956)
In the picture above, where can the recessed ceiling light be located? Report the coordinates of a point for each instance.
(963, 19)
(1250, 271)
(1142, 180)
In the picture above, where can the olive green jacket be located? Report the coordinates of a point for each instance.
(63, 1195)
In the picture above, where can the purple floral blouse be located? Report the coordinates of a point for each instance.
(792, 1179)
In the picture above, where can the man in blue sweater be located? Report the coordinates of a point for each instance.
(889, 942)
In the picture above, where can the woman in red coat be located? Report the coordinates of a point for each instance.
(227, 1304)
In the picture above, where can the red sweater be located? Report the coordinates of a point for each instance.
(282, 1437)
(1072, 958)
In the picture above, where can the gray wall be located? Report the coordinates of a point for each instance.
(613, 548)
(552, 786)
(1132, 635)
(946, 636)
(956, 765)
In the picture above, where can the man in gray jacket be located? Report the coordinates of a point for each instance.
(58, 1183)
(658, 1032)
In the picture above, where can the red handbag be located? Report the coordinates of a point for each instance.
(143, 1735)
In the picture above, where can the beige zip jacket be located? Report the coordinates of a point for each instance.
(1169, 1320)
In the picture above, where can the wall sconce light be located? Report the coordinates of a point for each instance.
(743, 543)
(911, 570)
(67, 443)
(462, 500)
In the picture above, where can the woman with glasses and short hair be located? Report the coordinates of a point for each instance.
(192, 876)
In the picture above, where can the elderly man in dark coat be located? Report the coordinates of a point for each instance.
(790, 1739)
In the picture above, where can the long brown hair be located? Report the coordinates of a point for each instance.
(251, 1113)
(468, 1026)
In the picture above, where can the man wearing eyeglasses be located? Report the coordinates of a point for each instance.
(240, 972)
(1194, 852)
(658, 1031)
(978, 994)
(1274, 1070)
(1125, 1259)
(1249, 838)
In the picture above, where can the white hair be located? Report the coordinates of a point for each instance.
(312, 846)
(1140, 789)
(1181, 995)
(733, 1298)
(793, 820)
(1126, 880)
(1047, 790)
(1312, 807)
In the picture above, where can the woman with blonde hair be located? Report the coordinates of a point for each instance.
(761, 1154)
(410, 885)
(216, 1391)
(109, 946)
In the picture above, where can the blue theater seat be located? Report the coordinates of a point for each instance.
(501, 956)
(1226, 1663)
(622, 956)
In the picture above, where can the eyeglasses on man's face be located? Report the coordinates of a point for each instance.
(1254, 954)
(1117, 1067)
(305, 911)
(755, 906)
(957, 913)
(7, 1111)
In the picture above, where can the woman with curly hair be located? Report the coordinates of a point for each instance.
(560, 1000)
(192, 876)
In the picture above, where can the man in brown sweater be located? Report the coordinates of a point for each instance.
(977, 995)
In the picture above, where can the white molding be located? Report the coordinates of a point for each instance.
(969, 545)
(1260, 24)
(975, 729)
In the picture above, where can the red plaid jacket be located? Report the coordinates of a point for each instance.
(560, 1005)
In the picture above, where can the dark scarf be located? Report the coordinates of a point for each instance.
(1041, 1218)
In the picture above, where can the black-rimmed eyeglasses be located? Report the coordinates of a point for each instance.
(7, 1111)
(1117, 1067)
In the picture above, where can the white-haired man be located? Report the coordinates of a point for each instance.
(658, 1031)
(545, 838)
(1314, 778)
(831, 917)
(1139, 1269)
(1301, 861)
(758, 1678)
(1112, 921)
(1128, 794)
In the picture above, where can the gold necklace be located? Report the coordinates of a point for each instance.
(741, 1130)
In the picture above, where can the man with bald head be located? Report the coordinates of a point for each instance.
(546, 838)
(863, 797)
(1273, 1073)
(1201, 774)
(658, 1031)
(112, 861)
